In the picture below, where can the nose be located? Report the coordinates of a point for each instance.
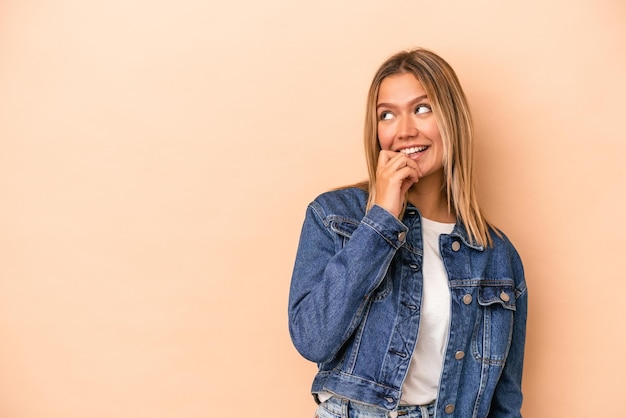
(406, 128)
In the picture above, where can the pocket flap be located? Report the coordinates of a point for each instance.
(503, 295)
(344, 227)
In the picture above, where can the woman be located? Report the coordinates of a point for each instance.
(411, 303)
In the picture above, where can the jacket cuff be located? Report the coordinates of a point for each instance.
(386, 225)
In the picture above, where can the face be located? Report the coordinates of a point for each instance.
(406, 122)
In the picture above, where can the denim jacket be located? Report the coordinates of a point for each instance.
(354, 308)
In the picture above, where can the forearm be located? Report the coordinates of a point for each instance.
(334, 277)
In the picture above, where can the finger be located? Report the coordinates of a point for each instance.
(389, 162)
(385, 155)
(415, 170)
(405, 162)
(399, 160)
(399, 167)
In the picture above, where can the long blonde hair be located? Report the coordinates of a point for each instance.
(454, 121)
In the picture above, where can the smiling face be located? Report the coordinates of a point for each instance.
(407, 124)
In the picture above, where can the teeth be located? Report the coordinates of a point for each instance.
(412, 150)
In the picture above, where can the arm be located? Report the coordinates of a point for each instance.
(331, 285)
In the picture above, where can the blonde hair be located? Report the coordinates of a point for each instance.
(454, 121)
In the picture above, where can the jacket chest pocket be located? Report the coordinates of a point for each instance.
(491, 337)
(343, 228)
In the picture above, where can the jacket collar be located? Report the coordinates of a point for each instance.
(460, 232)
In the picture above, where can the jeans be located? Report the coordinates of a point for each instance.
(342, 408)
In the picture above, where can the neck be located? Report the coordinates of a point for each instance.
(429, 196)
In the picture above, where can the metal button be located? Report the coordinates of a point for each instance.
(449, 408)
(505, 296)
(459, 355)
(402, 236)
(467, 299)
(456, 246)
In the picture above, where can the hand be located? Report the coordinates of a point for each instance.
(395, 174)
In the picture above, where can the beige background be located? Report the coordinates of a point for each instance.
(156, 158)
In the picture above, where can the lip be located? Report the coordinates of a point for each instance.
(414, 151)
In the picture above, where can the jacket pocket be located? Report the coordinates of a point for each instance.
(492, 333)
(344, 228)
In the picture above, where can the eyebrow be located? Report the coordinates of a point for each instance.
(416, 100)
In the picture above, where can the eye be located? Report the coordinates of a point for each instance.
(422, 108)
(385, 115)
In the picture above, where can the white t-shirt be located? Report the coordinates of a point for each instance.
(422, 381)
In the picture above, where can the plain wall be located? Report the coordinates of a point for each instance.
(156, 159)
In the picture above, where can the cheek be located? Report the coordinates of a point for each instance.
(432, 130)
(385, 137)
(437, 139)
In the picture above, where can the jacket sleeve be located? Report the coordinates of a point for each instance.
(332, 282)
(507, 399)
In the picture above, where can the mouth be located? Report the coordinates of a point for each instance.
(413, 150)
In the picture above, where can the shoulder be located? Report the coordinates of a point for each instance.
(505, 250)
(348, 202)
(351, 197)
(501, 241)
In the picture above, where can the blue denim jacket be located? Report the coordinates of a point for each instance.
(354, 308)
